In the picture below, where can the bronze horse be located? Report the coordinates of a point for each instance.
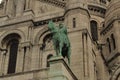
(60, 40)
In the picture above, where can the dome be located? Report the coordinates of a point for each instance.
(97, 7)
(76, 3)
(113, 11)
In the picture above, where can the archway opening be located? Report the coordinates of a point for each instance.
(11, 43)
(94, 30)
(13, 55)
(48, 57)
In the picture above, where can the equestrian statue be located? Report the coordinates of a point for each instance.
(60, 40)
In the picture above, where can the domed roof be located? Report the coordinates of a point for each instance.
(97, 7)
(98, 1)
(113, 11)
(76, 3)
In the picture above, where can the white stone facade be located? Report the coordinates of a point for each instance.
(26, 43)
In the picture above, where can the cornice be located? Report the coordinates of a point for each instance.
(97, 10)
(16, 20)
(43, 22)
(68, 10)
(115, 56)
(58, 3)
(106, 29)
(109, 25)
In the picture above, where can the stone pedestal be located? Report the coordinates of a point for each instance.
(59, 70)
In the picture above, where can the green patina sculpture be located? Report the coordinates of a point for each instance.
(60, 40)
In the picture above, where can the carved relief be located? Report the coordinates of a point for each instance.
(49, 44)
(114, 67)
(116, 74)
(46, 8)
(47, 41)
(58, 3)
(43, 9)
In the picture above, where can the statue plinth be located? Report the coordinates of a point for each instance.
(59, 70)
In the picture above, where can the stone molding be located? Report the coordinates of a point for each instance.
(25, 44)
(58, 3)
(97, 10)
(115, 74)
(16, 20)
(106, 29)
(17, 31)
(114, 67)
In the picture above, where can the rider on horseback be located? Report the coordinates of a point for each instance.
(60, 40)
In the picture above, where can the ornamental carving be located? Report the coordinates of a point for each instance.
(115, 66)
(58, 3)
(43, 9)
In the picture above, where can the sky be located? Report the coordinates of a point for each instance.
(0, 1)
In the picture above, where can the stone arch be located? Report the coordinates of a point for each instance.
(102, 24)
(94, 29)
(40, 35)
(97, 20)
(116, 74)
(10, 40)
(94, 19)
(43, 36)
(16, 31)
(48, 57)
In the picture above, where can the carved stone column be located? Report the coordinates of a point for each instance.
(40, 56)
(24, 57)
(10, 10)
(35, 57)
(85, 55)
(0, 63)
(20, 60)
(27, 59)
(27, 4)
